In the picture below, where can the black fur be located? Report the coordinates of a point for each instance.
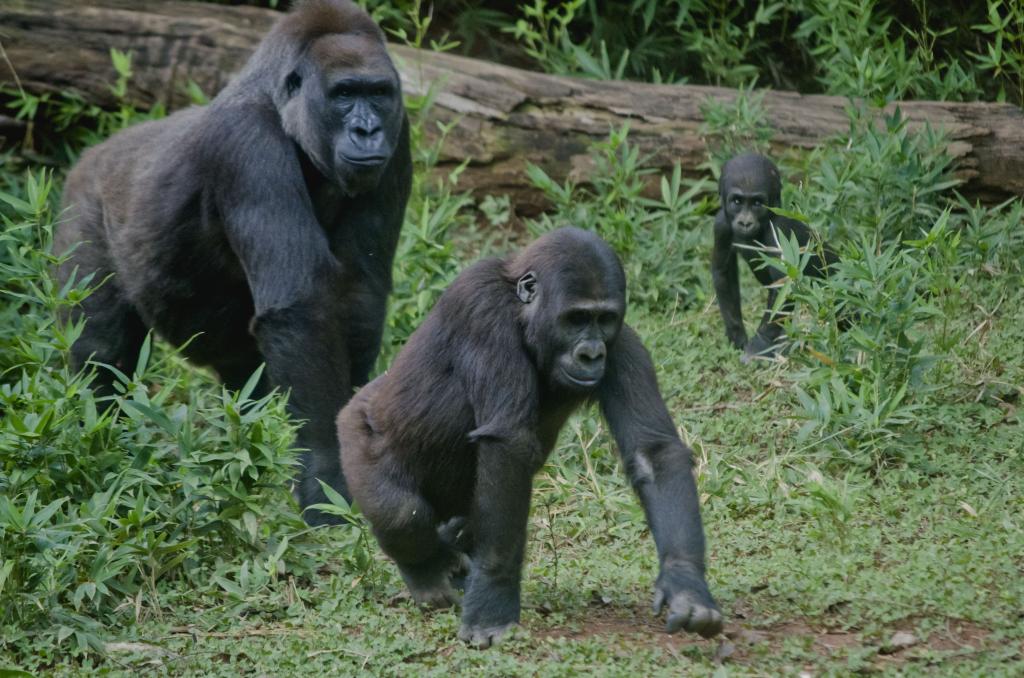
(453, 433)
(749, 185)
(265, 223)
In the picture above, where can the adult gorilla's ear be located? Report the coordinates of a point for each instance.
(526, 287)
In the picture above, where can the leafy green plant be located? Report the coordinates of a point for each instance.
(78, 122)
(543, 32)
(1003, 57)
(891, 181)
(106, 502)
(733, 127)
(657, 238)
(860, 338)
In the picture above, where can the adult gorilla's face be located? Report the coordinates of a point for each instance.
(345, 110)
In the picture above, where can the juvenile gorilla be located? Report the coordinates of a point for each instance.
(453, 433)
(261, 227)
(749, 185)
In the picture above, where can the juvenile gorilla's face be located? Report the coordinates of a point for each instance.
(583, 332)
(750, 184)
(746, 208)
(346, 111)
(570, 328)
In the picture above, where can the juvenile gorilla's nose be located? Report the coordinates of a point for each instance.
(590, 352)
(365, 130)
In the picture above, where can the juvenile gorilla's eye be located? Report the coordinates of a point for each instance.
(577, 318)
(757, 203)
(736, 200)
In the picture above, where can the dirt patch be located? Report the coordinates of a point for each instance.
(741, 643)
(958, 635)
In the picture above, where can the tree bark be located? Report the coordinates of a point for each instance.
(502, 117)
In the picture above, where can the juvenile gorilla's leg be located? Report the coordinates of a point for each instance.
(406, 528)
(498, 523)
(767, 341)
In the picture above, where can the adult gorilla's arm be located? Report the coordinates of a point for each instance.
(659, 466)
(291, 273)
(725, 276)
(372, 228)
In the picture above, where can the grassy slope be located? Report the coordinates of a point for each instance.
(808, 581)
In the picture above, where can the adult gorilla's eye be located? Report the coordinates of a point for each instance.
(757, 202)
(736, 200)
(608, 318)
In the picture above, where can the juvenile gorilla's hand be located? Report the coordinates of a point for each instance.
(490, 608)
(690, 605)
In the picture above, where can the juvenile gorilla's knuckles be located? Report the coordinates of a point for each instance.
(483, 638)
(490, 608)
(684, 593)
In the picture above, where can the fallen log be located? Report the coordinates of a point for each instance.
(503, 117)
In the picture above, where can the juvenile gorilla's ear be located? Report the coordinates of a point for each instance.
(292, 83)
(526, 287)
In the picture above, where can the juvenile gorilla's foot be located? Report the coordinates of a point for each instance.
(483, 638)
(682, 589)
(430, 584)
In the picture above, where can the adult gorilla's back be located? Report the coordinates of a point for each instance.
(261, 227)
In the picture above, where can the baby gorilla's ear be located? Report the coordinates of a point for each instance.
(526, 287)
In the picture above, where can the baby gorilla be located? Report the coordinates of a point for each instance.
(749, 185)
(451, 436)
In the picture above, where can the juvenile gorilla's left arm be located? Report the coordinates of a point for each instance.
(659, 466)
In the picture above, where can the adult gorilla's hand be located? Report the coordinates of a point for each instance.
(682, 590)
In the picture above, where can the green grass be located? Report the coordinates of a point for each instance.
(805, 586)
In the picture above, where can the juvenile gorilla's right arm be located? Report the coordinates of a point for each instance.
(660, 468)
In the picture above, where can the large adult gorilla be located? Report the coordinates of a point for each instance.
(261, 227)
